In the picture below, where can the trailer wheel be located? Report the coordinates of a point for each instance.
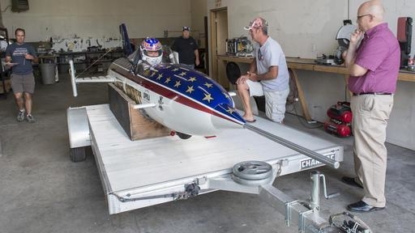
(183, 136)
(252, 173)
(77, 154)
(252, 170)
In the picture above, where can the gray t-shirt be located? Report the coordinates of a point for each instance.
(17, 53)
(271, 54)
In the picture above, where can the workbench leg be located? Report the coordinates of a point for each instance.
(301, 97)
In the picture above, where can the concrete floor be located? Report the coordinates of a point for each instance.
(42, 191)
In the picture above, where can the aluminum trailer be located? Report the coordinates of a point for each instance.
(142, 173)
(162, 166)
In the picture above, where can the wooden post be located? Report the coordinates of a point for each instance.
(301, 97)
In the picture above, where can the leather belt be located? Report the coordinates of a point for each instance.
(371, 93)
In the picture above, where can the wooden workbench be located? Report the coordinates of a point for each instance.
(309, 64)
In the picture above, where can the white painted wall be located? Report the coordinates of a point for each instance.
(307, 28)
(199, 11)
(303, 28)
(393, 10)
(97, 18)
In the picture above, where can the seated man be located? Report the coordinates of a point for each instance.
(268, 75)
(151, 51)
(149, 54)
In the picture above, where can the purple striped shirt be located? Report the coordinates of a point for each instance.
(380, 54)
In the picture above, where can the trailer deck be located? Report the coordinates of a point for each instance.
(147, 172)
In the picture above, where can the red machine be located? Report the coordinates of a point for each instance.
(340, 119)
(335, 127)
(341, 112)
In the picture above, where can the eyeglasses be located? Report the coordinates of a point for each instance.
(361, 16)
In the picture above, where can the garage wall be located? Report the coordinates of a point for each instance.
(393, 10)
(199, 11)
(303, 28)
(97, 18)
(1, 18)
(307, 28)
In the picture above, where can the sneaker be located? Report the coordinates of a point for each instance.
(30, 119)
(20, 116)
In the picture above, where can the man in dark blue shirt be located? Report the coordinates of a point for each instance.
(187, 48)
(19, 57)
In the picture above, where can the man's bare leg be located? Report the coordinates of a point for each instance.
(28, 103)
(243, 90)
(18, 97)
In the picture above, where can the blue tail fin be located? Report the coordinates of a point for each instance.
(126, 44)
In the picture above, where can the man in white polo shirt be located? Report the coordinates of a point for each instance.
(268, 74)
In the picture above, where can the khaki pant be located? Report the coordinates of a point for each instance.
(370, 115)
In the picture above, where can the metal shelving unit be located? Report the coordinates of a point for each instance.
(97, 60)
(3, 72)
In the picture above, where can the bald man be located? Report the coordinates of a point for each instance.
(373, 60)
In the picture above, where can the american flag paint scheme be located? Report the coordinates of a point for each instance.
(186, 101)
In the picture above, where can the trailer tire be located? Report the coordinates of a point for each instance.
(77, 154)
(239, 180)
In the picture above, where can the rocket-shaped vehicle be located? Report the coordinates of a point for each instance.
(184, 100)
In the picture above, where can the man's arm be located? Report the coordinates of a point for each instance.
(271, 74)
(35, 59)
(197, 61)
(32, 55)
(353, 68)
(8, 59)
(252, 67)
(249, 74)
(8, 62)
(174, 46)
(350, 56)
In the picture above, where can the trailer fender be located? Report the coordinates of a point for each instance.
(78, 127)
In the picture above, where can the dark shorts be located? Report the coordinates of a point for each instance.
(23, 83)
